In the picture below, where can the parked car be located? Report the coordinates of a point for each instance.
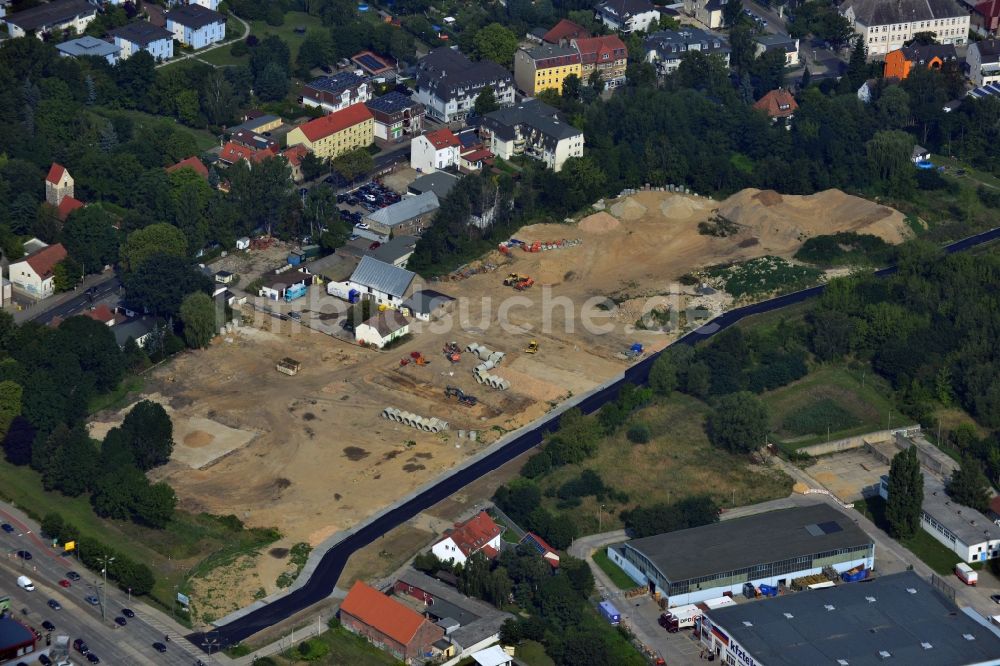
(65, 583)
(72, 575)
(7, 527)
(54, 605)
(48, 626)
(128, 612)
(353, 237)
(44, 660)
(995, 598)
(159, 647)
(81, 646)
(359, 225)
(93, 658)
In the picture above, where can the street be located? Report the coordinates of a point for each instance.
(71, 303)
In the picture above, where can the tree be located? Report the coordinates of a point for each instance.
(571, 87)
(354, 163)
(497, 43)
(486, 101)
(154, 505)
(312, 166)
(218, 98)
(199, 317)
(857, 66)
(10, 403)
(90, 238)
(262, 193)
(272, 84)
(151, 434)
(906, 494)
(663, 375)
(156, 239)
(94, 348)
(893, 107)
(69, 461)
(889, 153)
(596, 81)
(161, 283)
(18, 440)
(732, 13)
(316, 50)
(67, 274)
(580, 576)
(969, 485)
(739, 423)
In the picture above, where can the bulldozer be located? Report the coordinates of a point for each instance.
(513, 279)
(452, 352)
(524, 284)
(532, 347)
(464, 399)
(418, 358)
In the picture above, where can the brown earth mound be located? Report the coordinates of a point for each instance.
(198, 438)
(598, 223)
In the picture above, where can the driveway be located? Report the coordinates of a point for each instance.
(198, 54)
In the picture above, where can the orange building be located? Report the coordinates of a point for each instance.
(899, 63)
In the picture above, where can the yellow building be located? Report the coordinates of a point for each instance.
(545, 67)
(333, 135)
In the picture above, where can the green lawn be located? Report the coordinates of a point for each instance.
(830, 395)
(222, 57)
(287, 32)
(203, 138)
(346, 648)
(116, 399)
(532, 653)
(931, 551)
(970, 173)
(615, 573)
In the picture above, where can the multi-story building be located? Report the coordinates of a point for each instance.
(337, 92)
(35, 274)
(899, 63)
(789, 46)
(56, 15)
(545, 67)
(196, 26)
(563, 32)
(984, 16)
(983, 61)
(666, 48)
(333, 135)
(435, 150)
(448, 84)
(534, 129)
(144, 36)
(89, 46)
(606, 54)
(628, 15)
(396, 115)
(887, 26)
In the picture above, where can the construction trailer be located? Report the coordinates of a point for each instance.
(289, 366)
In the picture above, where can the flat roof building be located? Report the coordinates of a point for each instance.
(897, 619)
(409, 215)
(89, 46)
(773, 548)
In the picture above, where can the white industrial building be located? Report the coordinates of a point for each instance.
(381, 282)
(773, 548)
(967, 532)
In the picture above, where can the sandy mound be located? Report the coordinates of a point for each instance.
(786, 220)
(628, 209)
(198, 438)
(680, 207)
(599, 223)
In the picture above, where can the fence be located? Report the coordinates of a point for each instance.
(288, 642)
(944, 588)
(858, 441)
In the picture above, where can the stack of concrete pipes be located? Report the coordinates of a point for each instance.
(490, 359)
(414, 420)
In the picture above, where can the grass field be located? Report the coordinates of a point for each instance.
(931, 551)
(189, 543)
(679, 461)
(533, 654)
(203, 138)
(287, 32)
(345, 648)
(116, 399)
(850, 402)
(764, 275)
(615, 573)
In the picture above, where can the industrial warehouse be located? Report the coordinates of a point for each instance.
(773, 548)
(897, 619)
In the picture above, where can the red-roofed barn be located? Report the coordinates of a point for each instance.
(478, 534)
(389, 625)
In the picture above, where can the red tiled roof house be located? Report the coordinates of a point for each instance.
(192, 163)
(387, 624)
(35, 274)
(777, 104)
(435, 150)
(478, 534)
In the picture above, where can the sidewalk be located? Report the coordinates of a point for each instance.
(37, 308)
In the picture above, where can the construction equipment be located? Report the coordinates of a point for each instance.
(452, 352)
(532, 347)
(418, 358)
(536, 246)
(524, 284)
(513, 278)
(635, 351)
(463, 398)
(289, 366)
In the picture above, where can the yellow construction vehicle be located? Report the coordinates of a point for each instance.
(512, 279)
(532, 347)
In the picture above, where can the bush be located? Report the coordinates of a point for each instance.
(639, 433)
(239, 49)
(312, 650)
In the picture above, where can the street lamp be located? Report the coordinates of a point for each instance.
(600, 518)
(105, 560)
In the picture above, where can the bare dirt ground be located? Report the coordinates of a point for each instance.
(311, 455)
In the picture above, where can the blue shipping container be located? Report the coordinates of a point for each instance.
(768, 590)
(353, 296)
(294, 259)
(294, 292)
(853, 576)
(609, 612)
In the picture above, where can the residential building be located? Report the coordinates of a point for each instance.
(196, 26)
(396, 252)
(448, 84)
(294, 156)
(435, 150)
(388, 624)
(984, 16)
(628, 15)
(233, 152)
(666, 48)
(427, 304)
(545, 67)
(337, 92)
(535, 129)
(899, 63)
(895, 619)
(396, 115)
(887, 26)
(919, 154)
(465, 539)
(101, 314)
(773, 548)
(254, 141)
(983, 61)
(410, 215)
(382, 283)
(67, 206)
(258, 122)
(565, 31)
(438, 182)
(140, 329)
(536, 543)
(967, 532)
(606, 54)
(475, 160)
(778, 104)
(42, 19)
(144, 36)
(777, 42)
(35, 274)
(335, 134)
(706, 12)
(207, 4)
(192, 163)
(372, 64)
(88, 46)
(382, 328)
(58, 184)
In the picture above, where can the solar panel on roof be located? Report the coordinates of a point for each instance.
(369, 61)
(814, 530)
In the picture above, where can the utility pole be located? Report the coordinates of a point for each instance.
(104, 570)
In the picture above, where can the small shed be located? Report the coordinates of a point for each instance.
(224, 277)
(382, 329)
(243, 243)
(492, 656)
(920, 154)
(427, 303)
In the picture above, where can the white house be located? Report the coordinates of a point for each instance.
(380, 282)
(534, 129)
(144, 36)
(983, 61)
(56, 15)
(35, 274)
(478, 534)
(628, 15)
(196, 26)
(382, 329)
(448, 84)
(337, 92)
(435, 150)
(887, 26)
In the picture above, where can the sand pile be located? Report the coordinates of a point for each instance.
(678, 207)
(198, 438)
(598, 223)
(628, 209)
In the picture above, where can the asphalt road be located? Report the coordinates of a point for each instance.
(78, 303)
(324, 577)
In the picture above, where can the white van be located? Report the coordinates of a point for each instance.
(25, 583)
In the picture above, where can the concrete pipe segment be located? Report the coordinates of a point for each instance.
(412, 420)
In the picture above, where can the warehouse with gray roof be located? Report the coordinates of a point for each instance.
(409, 215)
(771, 548)
(382, 282)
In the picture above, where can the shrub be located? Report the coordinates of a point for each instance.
(639, 433)
(312, 650)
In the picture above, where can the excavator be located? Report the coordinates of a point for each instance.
(532, 347)
(452, 352)
(463, 398)
(513, 278)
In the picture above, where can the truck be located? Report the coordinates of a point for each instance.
(295, 291)
(966, 573)
(610, 613)
(681, 617)
(25, 583)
